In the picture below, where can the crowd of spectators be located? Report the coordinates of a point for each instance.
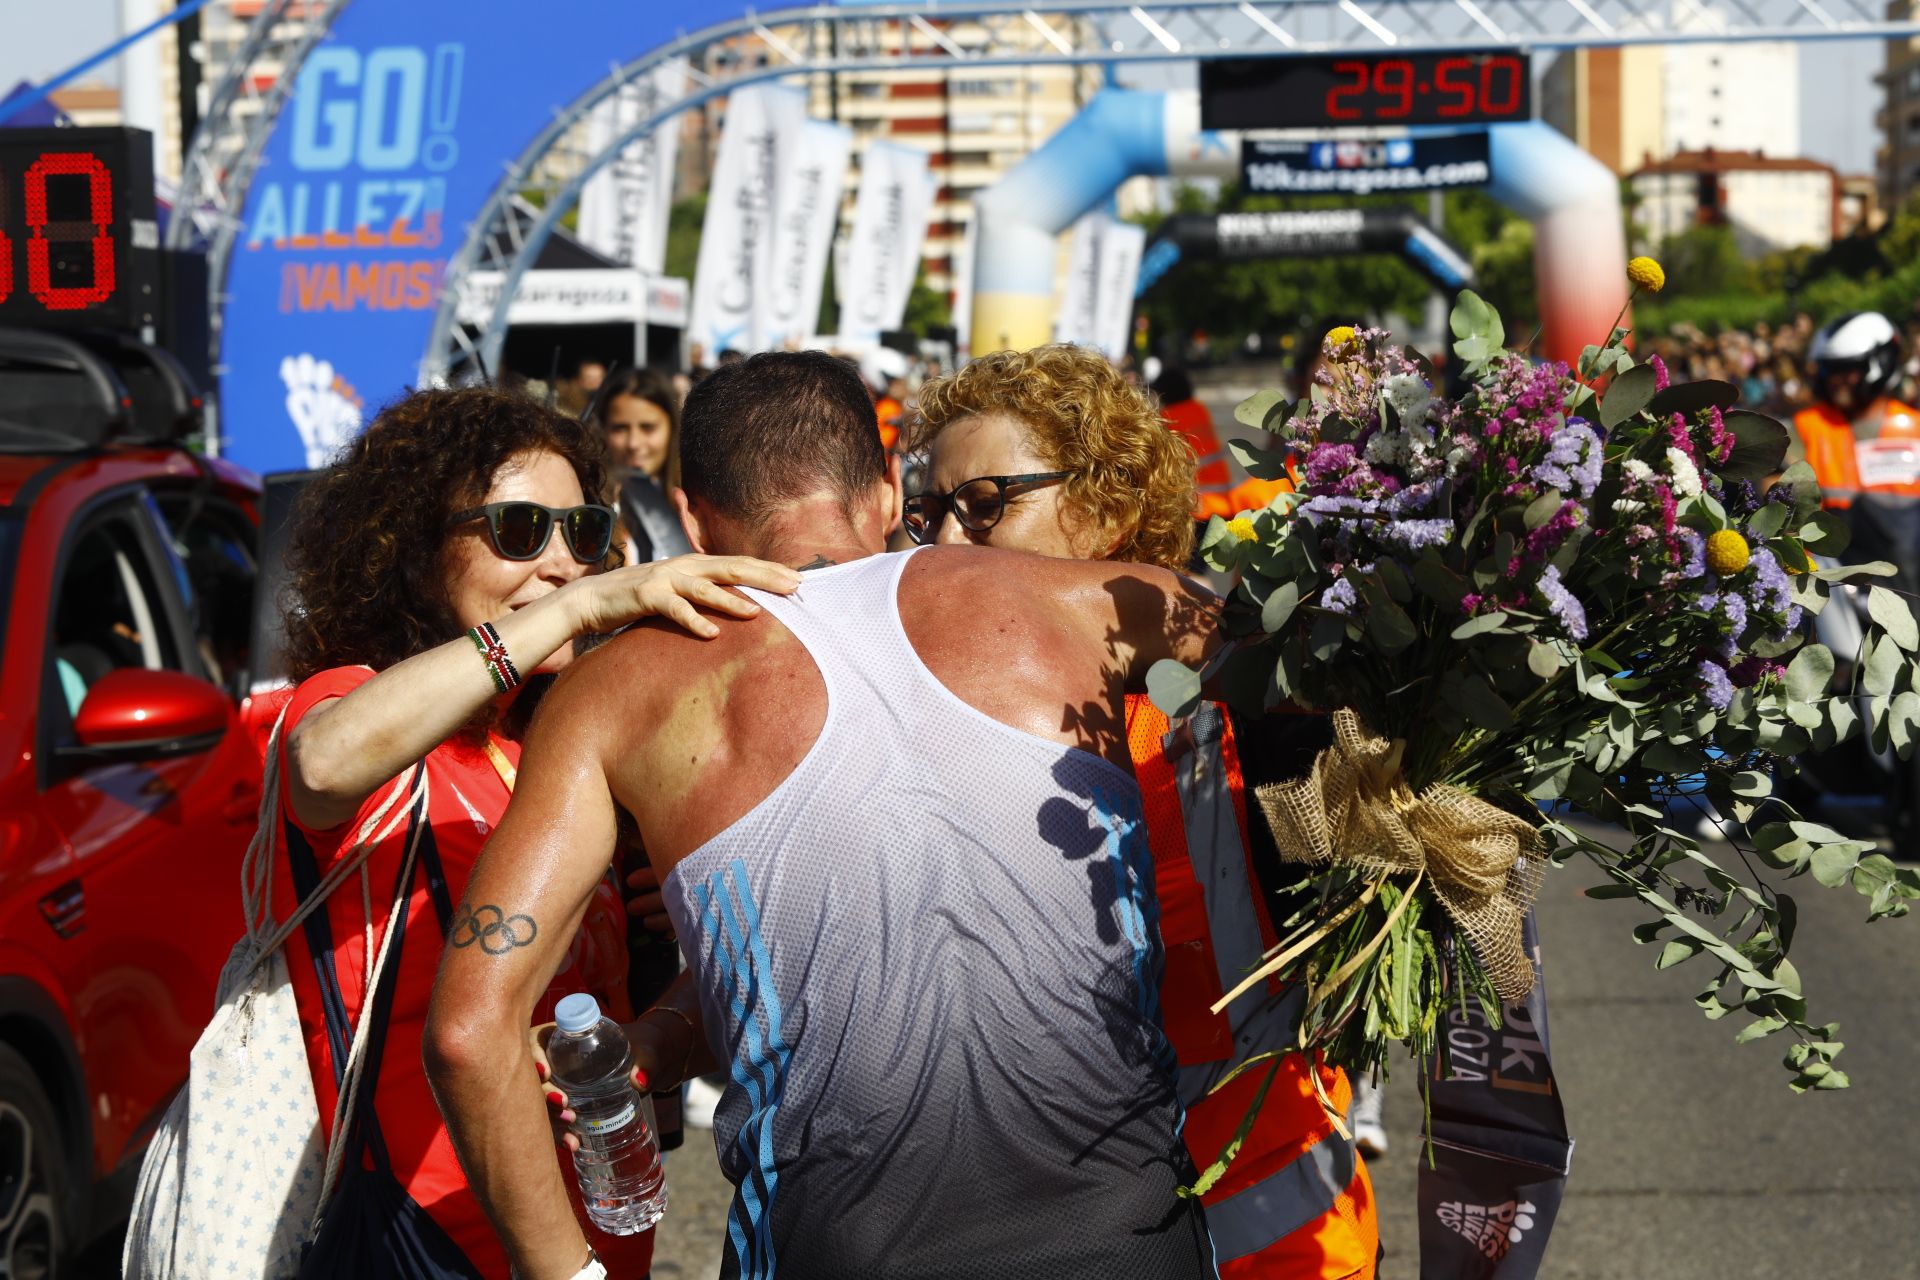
(1768, 363)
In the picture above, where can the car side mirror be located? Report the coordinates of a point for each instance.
(136, 714)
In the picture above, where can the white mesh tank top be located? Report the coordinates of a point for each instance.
(931, 959)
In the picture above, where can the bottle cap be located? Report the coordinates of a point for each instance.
(577, 1013)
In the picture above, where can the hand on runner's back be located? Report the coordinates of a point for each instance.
(672, 589)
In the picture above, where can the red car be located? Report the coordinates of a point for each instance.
(128, 789)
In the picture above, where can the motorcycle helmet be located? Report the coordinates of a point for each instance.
(1852, 360)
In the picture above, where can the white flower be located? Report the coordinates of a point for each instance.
(1627, 507)
(1386, 448)
(1686, 480)
(1409, 397)
(1636, 471)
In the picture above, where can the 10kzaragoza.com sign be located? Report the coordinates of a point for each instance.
(1362, 167)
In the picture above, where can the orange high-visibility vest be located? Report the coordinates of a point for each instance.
(1847, 465)
(1296, 1202)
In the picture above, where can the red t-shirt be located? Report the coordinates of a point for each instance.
(466, 799)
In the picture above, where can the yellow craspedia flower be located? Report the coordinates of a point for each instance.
(1242, 528)
(1646, 274)
(1727, 552)
(1339, 338)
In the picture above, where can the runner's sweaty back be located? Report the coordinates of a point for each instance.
(931, 958)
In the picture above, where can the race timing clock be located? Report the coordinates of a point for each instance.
(79, 246)
(1349, 90)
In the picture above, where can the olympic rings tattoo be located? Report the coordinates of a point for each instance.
(496, 932)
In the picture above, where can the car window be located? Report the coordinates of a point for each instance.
(215, 542)
(109, 613)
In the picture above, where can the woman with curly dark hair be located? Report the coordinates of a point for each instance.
(459, 548)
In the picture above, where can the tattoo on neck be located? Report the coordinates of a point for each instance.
(495, 931)
(818, 562)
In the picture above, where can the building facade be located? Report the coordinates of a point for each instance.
(1769, 202)
(1634, 105)
(1898, 156)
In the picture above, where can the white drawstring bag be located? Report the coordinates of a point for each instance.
(237, 1175)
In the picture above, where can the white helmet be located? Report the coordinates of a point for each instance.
(1852, 360)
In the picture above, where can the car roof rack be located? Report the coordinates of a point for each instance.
(78, 390)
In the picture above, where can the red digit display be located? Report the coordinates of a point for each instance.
(1393, 78)
(1444, 81)
(1439, 87)
(6, 244)
(1509, 100)
(43, 234)
(1358, 70)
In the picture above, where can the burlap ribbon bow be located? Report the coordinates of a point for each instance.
(1355, 807)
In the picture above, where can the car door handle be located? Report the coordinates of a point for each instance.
(243, 803)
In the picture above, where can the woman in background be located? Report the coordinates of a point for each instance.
(639, 413)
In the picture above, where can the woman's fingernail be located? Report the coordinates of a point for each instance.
(541, 1067)
(567, 1117)
(639, 1078)
(556, 1097)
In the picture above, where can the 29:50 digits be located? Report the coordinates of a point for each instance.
(1468, 92)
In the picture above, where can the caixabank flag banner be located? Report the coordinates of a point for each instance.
(402, 121)
(736, 264)
(624, 208)
(883, 248)
(806, 210)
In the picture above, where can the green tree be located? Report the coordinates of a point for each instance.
(927, 307)
(684, 221)
(1706, 260)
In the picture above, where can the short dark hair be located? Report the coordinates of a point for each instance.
(776, 427)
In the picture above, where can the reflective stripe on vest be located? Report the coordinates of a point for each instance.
(1253, 1218)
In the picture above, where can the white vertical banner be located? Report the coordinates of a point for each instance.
(963, 291)
(1074, 320)
(624, 207)
(883, 249)
(1103, 268)
(811, 172)
(736, 241)
(1121, 246)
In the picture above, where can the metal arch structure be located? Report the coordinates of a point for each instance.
(220, 159)
(985, 33)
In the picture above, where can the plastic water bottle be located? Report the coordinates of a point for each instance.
(618, 1162)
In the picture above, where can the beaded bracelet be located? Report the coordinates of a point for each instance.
(506, 676)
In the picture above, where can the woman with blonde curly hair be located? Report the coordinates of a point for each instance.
(1052, 451)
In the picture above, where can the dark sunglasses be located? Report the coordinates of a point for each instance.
(520, 530)
(977, 504)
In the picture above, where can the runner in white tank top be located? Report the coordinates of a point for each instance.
(933, 958)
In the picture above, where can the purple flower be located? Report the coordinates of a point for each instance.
(1660, 379)
(1715, 685)
(1339, 598)
(1328, 464)
(1573, 460)
(1694, 546)
(1417, 535)
(1561, 603)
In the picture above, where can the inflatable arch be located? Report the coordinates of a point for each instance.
(1580, 252)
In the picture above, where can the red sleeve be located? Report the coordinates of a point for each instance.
(325, 687)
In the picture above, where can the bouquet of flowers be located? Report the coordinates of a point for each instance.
(1533, 604)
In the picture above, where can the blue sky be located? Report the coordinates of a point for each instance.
(1838, 97)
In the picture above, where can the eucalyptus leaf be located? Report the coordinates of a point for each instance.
(1882, 670)
(1261, 464)
(1392, 630)
(1894, 617)
(1174, 688)
(1767, 521)
(1832, 864)
(1438, 583)
(1810, 674)
(1543, 508)
(1544, 660)
(1279, 607)
(1328, 634)
(1629, 394)
(1481, 625)
(1689, 398)
(1676, 952)
(1254, 410)
(1760, 445)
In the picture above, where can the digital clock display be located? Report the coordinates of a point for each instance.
(79, 245)
(1351, 90)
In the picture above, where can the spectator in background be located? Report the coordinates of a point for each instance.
(640, 415)
(1185, 415)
